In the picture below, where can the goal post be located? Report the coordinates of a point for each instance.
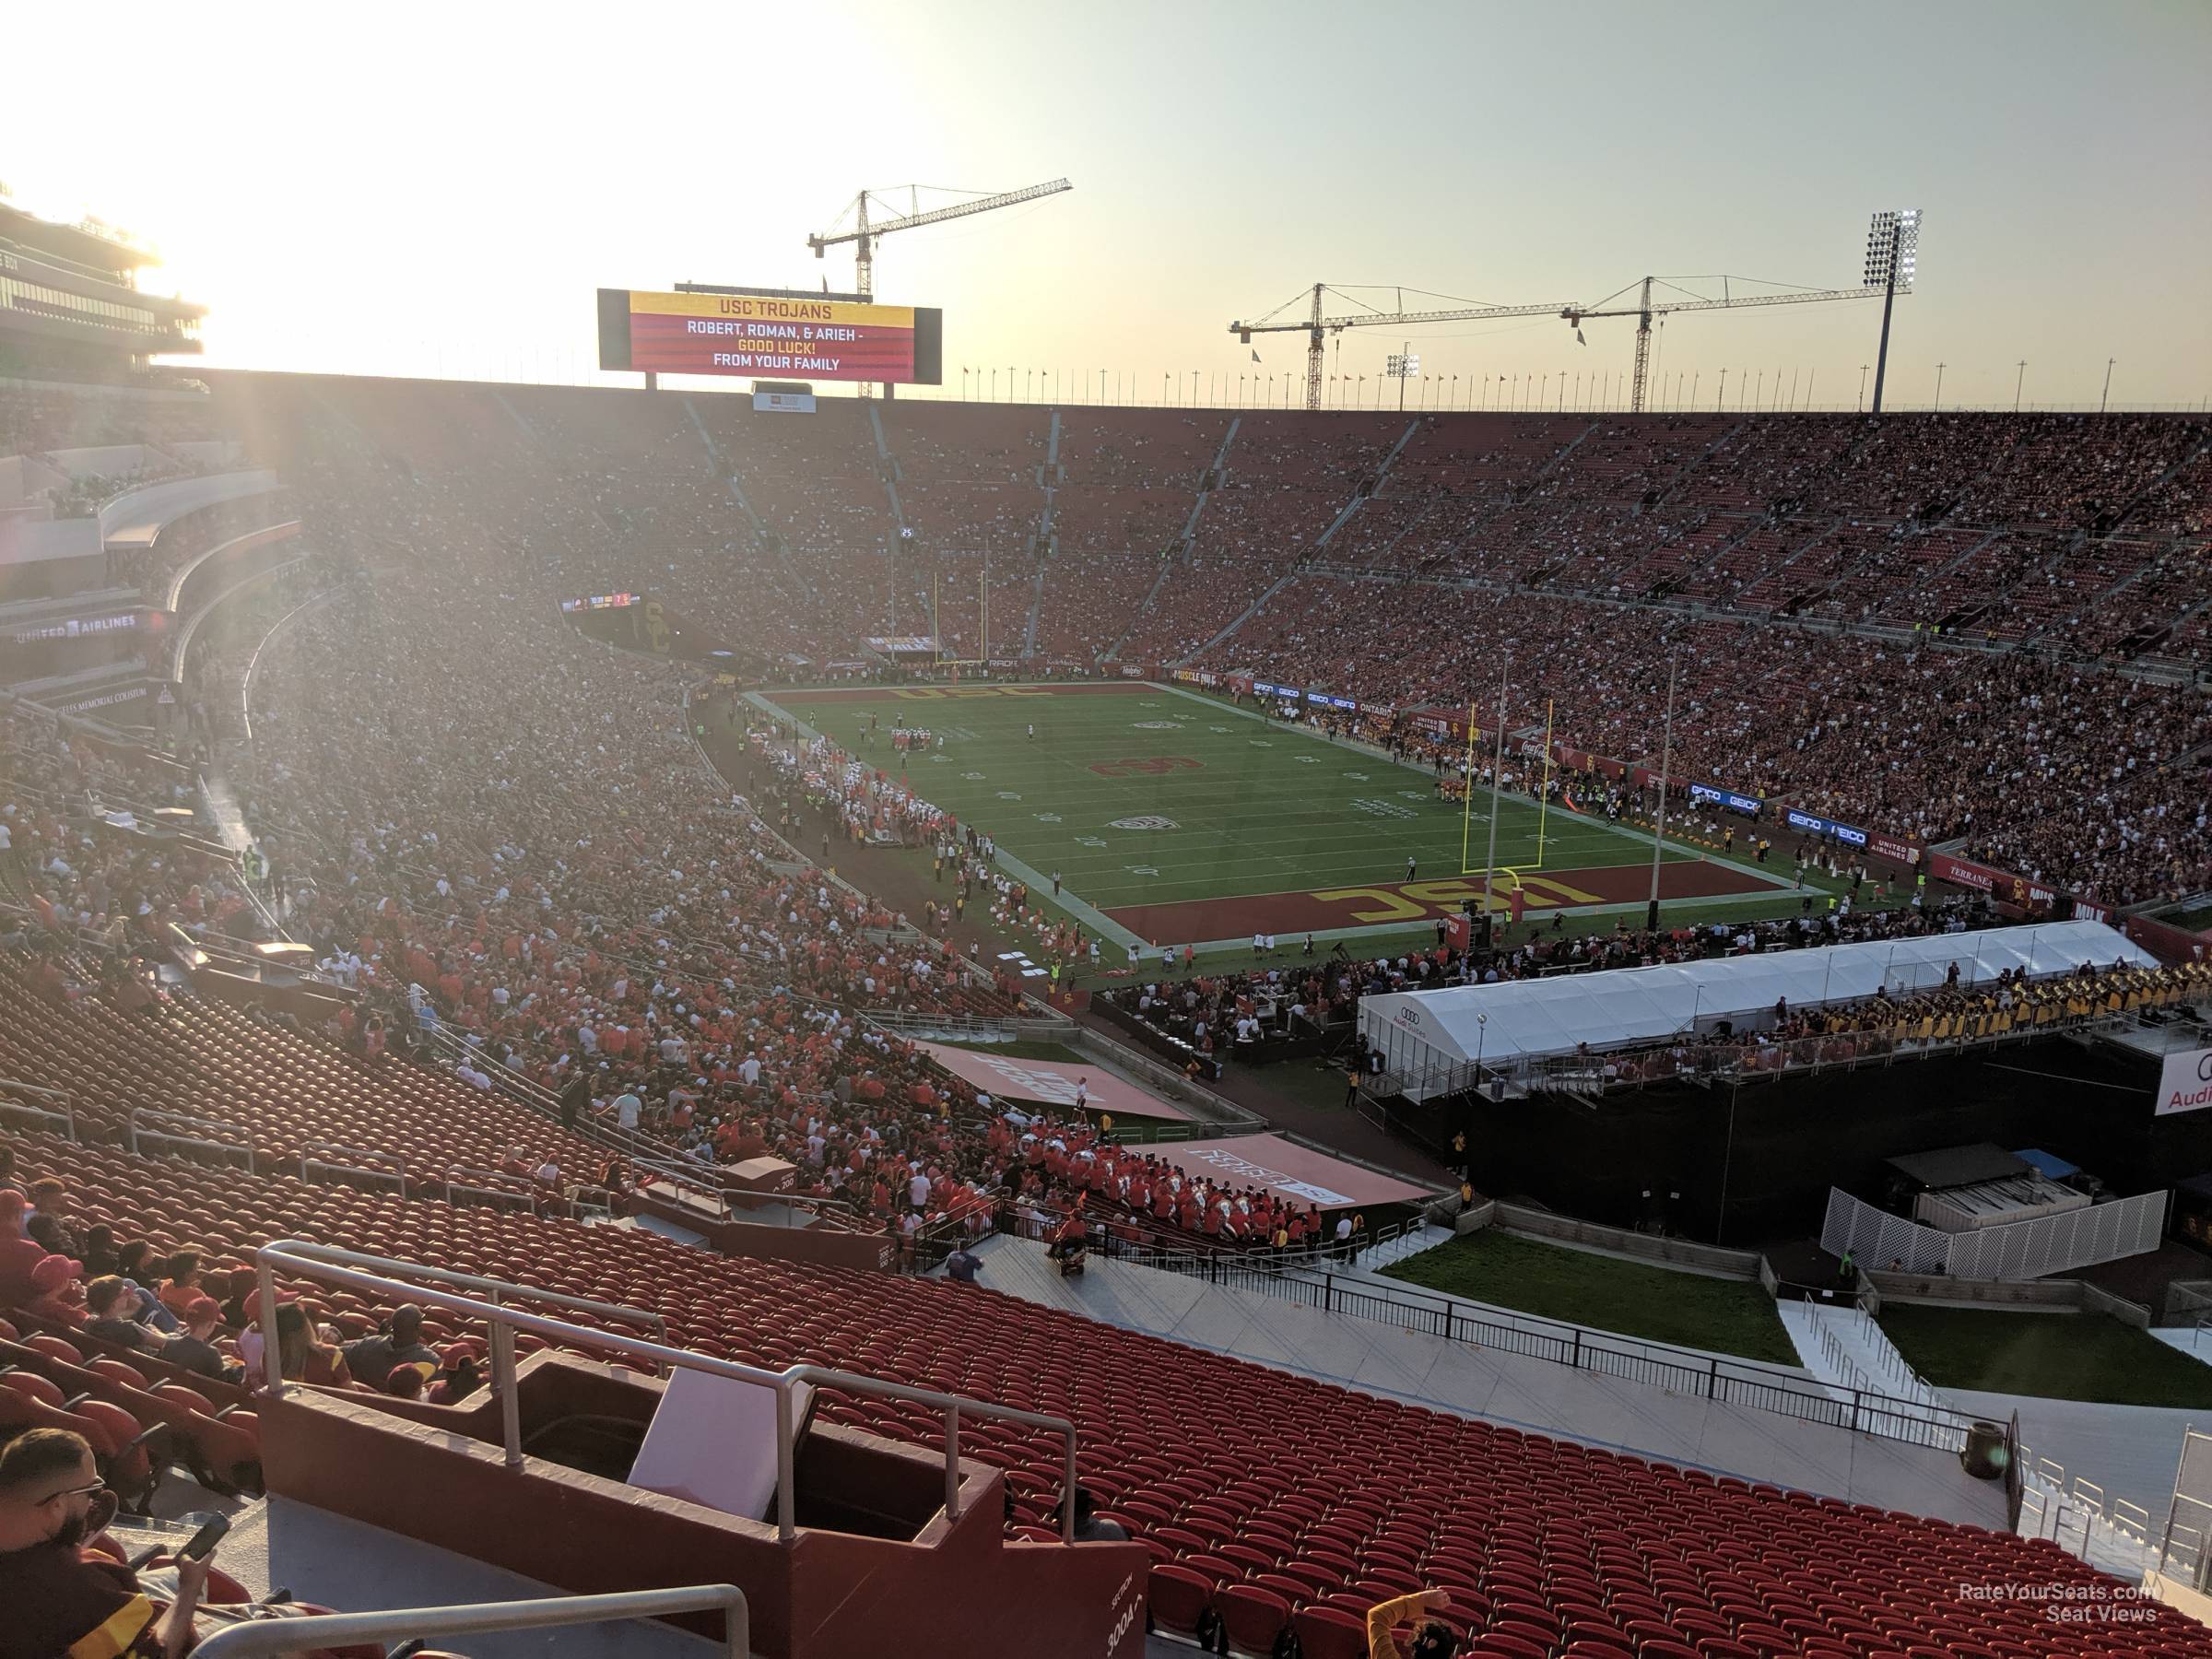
(1513, 872)
(982, 613)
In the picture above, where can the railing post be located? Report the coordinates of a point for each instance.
(272, 1359)
(1067, 1494)
(1575, 1358)
(952, 1462)
(786, 1500)
(504, 1385)
(1712, 1378)
(1328, 1293)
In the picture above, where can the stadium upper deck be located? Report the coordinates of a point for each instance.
(70, 307)
(1943, 628)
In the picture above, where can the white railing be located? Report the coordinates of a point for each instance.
(182, 1129)
(464, 1181)
(353, 1270)
(55, 1105)
(2016, 1250)
(1864, 1361)
(2078, 1517)
(275, 1636)
(330, 1158)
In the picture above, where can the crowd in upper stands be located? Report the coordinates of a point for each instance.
(2070, 536)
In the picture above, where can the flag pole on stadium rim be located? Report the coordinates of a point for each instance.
(1489, 861)
(1666, 747)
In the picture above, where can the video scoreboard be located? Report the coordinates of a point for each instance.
(770, 334)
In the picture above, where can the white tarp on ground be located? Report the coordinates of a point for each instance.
(1532, 1018)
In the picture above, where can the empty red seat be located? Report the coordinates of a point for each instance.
(1179, 1598)
(1251, 1616)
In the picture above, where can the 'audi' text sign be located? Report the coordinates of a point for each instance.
(2185, 1081)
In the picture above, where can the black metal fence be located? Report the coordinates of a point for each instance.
(1602, 1353)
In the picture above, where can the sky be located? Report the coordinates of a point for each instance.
(438, 189)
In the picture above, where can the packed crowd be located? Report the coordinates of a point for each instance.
(1891, 1020)
(2074, 774)
(1865, 515)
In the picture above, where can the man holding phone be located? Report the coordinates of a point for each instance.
(61, 1599)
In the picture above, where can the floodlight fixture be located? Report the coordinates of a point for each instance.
(1893, 248)
(1892, 261)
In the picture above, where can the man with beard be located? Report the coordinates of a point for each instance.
(60, 1598)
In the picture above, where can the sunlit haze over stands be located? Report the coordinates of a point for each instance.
(441, 191)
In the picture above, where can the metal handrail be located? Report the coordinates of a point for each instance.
(344, 1267)
(525, 1190)
(274, 1636)
(63, 1112)
(495, 1288)
(323, 1155)
(1867, 1411)
(163, 1126)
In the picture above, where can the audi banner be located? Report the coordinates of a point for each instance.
(2185, 1082)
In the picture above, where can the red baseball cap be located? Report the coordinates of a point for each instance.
(55, 1271)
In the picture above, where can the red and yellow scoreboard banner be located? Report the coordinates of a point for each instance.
(777, 336)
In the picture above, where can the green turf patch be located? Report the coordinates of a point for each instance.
(1657, 1304)
(2054, 1356)
(1139, 795)
(2196, 919)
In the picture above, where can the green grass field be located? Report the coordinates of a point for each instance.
(1155, 805)
(2057, 1356)
(1657, 1304)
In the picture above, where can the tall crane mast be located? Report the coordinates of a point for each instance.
(865, 232)
(1888, 274)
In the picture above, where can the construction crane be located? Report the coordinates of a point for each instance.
(1891, 264)
(865, 231)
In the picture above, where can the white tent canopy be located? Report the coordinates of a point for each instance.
(1517, 1019)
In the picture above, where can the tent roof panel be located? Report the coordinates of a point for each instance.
(1530, 1018)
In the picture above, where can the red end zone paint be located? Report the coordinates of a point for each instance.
(792, 701)
(1407, 902)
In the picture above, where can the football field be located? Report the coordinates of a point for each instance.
(1174, 818)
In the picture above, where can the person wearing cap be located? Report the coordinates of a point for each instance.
(457, 1376)
(372, 1358)
(57, 1293)
(195, 1348)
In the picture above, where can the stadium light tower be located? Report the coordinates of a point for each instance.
(1402, 366)
(1893, 253)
